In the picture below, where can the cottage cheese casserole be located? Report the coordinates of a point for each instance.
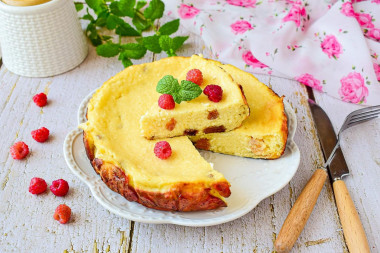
(125, 160)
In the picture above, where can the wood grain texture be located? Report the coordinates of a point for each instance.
(26, 224)
(300, 212)
(352, 226)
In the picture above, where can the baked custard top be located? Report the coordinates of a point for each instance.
(267, 108)
(113, 116)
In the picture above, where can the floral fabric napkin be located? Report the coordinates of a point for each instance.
(332, 46)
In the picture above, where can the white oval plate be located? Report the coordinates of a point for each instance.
(252, 180)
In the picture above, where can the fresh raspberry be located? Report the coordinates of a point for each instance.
(62, 214)
(166, 102)
(40, 135)
(163, 150)
(195, 76)
(37, 185)
(40, 99)
(213, 92)
(19, 150)
(59, 187)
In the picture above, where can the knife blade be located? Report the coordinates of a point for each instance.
(338, 167)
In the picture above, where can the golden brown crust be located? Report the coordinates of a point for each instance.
(284, 127)
(183, 197)
(243, 95)
(284, 130)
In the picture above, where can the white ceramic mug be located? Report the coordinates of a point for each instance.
(41, 40)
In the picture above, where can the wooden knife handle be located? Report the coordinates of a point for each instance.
(300, 212)
(352, 227)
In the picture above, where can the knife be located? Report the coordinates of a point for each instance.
(337, 168)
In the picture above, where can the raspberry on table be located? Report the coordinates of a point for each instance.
(62, 214)
(37, 185)
(19, 150)
(213, 92)
(195, 76)
(40, 135)
(40, 99)
(166, 102)
(59, 187)
(162, 150)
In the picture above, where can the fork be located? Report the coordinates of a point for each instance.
(353, 119)
(302, 208)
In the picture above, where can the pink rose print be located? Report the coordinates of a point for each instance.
(374, 33)
(376, 67)
(252, 61)
(309, 80)
(331, 46)
(364, 20)
(242, 3)
(241, 27)
(375, 1)
(296, 12)
(347, 9)
(187, 12)
(353, 89)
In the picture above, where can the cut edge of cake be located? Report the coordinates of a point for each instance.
(270, 145)
(208, 118)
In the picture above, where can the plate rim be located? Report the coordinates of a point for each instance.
(96, 185)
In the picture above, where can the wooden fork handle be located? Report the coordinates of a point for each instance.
(352, 227)
(300, 212)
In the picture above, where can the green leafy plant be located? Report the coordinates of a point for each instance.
(185, 92)
(112, 15)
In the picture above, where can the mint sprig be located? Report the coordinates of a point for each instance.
(185, 92)
(129, 18)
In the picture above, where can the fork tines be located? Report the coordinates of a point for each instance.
(360, 116)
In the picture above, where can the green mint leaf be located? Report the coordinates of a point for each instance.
(151, 43)
(101, 21)
(133, 50)
(177, 98)
(108, 50)
(127, 7)
(97, 5)
(125, 29)
(93, 35)
(112, 21)
(78, 6)
(166, 43)
(125, 60)
(88, 17)
(168, 85)
(169, 28)
(178, 42)
(140, 4)
(114, 8)
(155, 10)
(141, 23)
(189, 90)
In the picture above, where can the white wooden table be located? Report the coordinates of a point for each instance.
(26, 222)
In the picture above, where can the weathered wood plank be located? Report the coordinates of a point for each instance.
(360, 146)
